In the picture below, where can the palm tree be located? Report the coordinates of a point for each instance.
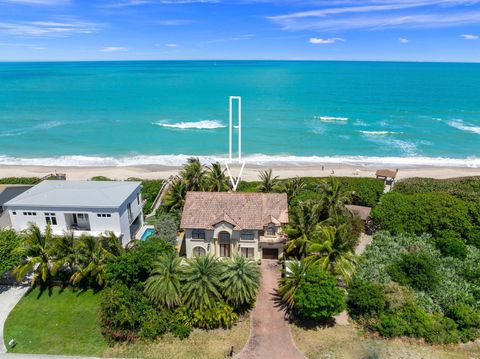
(334, 197)
(175, 197)
(216, 179)
(288, 285)
(293, 187)
(163, 286)
(240, 278)
(93, 255)
(193, 174)
(36, 247)
(303, 223)
(202, 287)
(332, 252)
(268, 182)
(63, 252)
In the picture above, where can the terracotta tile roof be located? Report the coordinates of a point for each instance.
(361, 211)
(386, 173)
(246, 210)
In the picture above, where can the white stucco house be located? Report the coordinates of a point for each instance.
(225, 223)
(83, 207)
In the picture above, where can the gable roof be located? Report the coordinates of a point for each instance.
(243, 210)
(76, 194)
(386, 173)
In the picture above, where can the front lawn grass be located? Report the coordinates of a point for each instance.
(56, 322)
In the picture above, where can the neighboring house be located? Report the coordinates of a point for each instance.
(8, 192)
(83, 207)
(225, 223)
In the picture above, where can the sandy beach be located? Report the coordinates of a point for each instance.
(250, 172)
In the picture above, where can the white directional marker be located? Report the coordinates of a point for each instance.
(235, 180)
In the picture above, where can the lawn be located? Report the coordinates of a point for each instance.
(349, 342)
(60, 322)
(202, 344)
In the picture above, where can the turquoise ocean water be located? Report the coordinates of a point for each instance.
(114, 113)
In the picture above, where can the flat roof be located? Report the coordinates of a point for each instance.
(77, 194)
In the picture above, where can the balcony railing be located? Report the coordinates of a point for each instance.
(278, 238)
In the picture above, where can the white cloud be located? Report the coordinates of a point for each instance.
(174, 22)
(113, 49)
(470, 37)
(171, 45)
(63, 28)
(403, 40)
(319, 41)
(378, 14)
(38, 2)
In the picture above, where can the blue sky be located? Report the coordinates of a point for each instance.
(403, 30)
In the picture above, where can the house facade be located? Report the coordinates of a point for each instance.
(226, 223)
(82, 207)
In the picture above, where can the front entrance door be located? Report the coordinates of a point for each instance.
(270, 253)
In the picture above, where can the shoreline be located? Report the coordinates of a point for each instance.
(250, 173)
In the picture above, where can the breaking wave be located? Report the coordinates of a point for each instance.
(331, 119)
(460, 125)
(21, 131)
(254, 159)
(199, 125)
(373, 133)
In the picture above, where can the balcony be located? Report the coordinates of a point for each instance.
(278, 238)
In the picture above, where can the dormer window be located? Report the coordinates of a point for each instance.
(271, 230)
(198, 234)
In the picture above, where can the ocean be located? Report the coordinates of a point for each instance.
(160, 112)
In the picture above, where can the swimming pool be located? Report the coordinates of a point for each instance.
(148, 232)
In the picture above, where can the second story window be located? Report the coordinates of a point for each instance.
(198, 234)
(247, 236)
(271, 230)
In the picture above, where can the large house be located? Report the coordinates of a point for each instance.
(82, 207)
(226, 223)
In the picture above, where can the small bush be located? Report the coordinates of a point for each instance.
(417, 269)
(19, 180)
(9, 240)
(155, 323)
(450, 244)
(166, 228)
(219, 316)
(465, 316)
(318, 297)
(366, 298)
(100, 178)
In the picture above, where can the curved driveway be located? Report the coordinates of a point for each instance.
(9, 297)
(270, 335)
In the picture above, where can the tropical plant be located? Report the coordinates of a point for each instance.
(220, 315)
(330, 249)
(9, 240)
(175, 196)
(293, 188)
(303, 223)
(288, 285)
(36, 247)
(63, 252)
(166, 228)
(202, 287)
(193, 174)
(216, 180)
(93, 256)
(268, 183)
(318, 296)
(334, 197)
(164, 285)
(240, 278)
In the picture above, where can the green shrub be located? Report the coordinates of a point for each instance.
(366, 298)
(318, 296)
(450, 244)
(219, 316)
(19, 180)
(155, 323)
(465, 316)
(166, 228)
(100, 178)
(422, 213)
(9, 240)
(133, 267)
(417, 269)
(150, 189)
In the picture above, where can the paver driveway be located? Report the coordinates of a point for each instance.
(270, 335)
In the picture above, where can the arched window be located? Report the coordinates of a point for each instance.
(199, 251)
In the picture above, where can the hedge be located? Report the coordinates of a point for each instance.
(19, 180)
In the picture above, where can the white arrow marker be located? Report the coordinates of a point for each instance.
(235, 180)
